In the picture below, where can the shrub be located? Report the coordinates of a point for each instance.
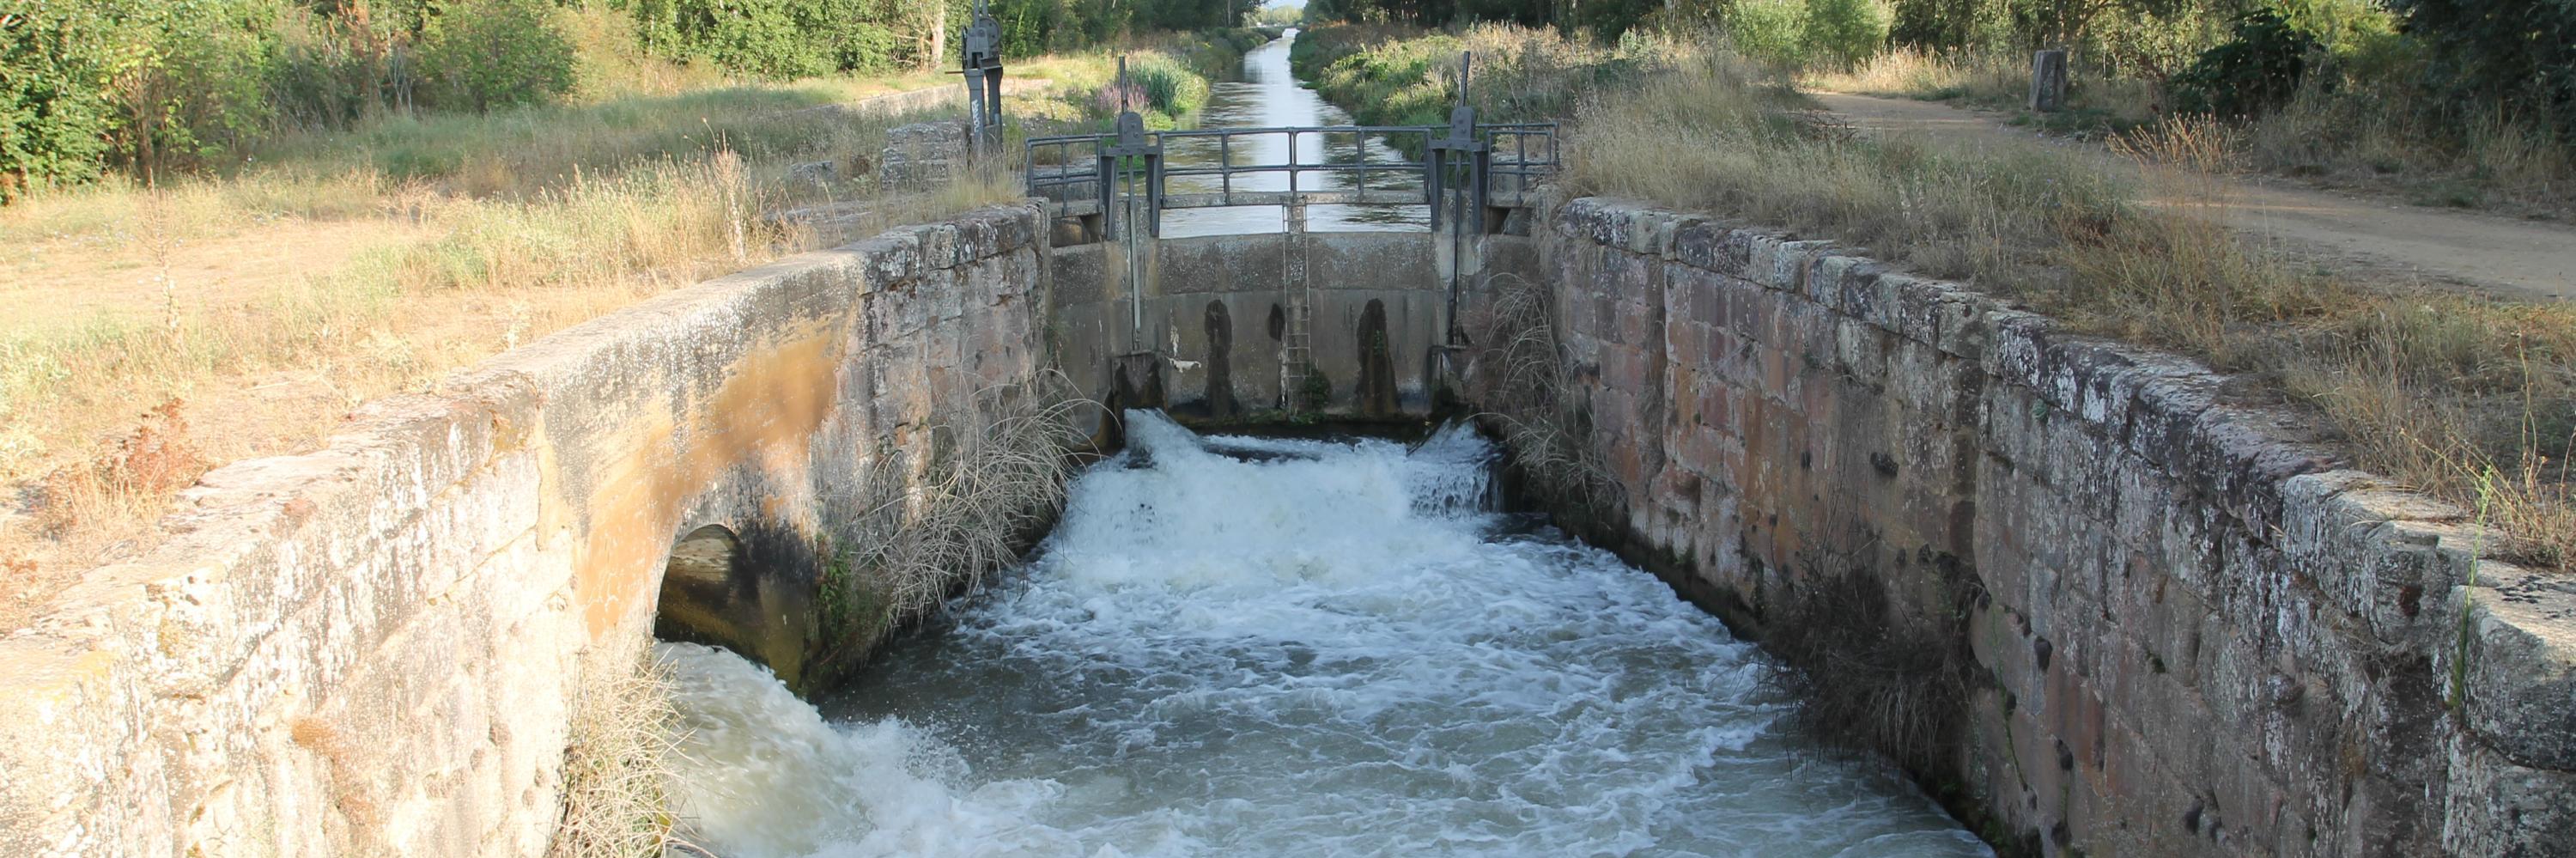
(868, 46)
(198, 82)
(84, 82)
(55, 111)
(1797, 33)
(2522, 52)
(329, 68)
(1771, 31)
(762, 39)
(2252, 73)
(768, 38)
(482, 54)
(1842, 33)
(1168, 86)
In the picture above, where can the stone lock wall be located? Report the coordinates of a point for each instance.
(2194, 632)
(372, 649)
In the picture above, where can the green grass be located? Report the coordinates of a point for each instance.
(1400, 76)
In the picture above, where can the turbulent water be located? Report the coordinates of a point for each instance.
(1242, 647)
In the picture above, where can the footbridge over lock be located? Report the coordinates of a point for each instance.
(1229, 273)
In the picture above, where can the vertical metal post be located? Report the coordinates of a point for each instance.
(982, 56)
(1466, 206)
(1135, 274)
(1466, 61)
(1126, 160)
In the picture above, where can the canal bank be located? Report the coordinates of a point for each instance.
(2180, 625)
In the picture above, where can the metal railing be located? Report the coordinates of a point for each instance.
(1384, 164)
(1511, 181)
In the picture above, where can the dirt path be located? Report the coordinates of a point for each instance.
(2510, 256)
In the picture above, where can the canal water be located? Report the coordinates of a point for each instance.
(1270, 96)
(1257, 647)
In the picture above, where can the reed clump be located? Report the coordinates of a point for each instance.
(1870, 674)
(1519, 376)
(990, 482)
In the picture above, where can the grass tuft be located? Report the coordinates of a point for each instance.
(1870, 674)
(617, 759)
(1521, 377)
(994, 480)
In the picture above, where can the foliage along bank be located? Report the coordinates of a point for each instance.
(2457, 60)
(149, 87)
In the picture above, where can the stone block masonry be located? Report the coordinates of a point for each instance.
(922, 155)
(373, 649)
(2195, 632)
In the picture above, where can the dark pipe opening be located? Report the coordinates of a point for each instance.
(1220, 371)
(1377, 395)
(714, 592)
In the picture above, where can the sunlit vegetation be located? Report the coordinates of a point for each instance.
(2468, 397)
(170, 315)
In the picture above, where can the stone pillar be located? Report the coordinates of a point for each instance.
(2048, 81)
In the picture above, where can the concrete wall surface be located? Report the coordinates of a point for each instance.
(1200, 292)
(2196, 632)
(372, 649)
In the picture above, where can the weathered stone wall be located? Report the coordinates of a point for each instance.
(1208, 309)
(2194, 633)
(372, 649)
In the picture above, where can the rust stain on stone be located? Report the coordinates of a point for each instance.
(768, 409)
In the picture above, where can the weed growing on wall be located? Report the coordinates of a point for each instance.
(1518, 372)
(125, 479)
(991, 480)
(616, 777)
(1869, 672)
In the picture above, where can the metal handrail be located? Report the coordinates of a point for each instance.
(1525, 152)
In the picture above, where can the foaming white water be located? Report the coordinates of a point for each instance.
(1264, 647)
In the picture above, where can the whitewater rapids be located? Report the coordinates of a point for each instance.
(1248, 647)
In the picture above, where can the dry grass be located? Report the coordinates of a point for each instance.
(2444, 391)
(994, 479)
(156, 459)
(617, 759)
(1722, 135)
(1389, 75)
(2385, 139)
(1918, 73)
(336, 269)
(1520, 376)
(348, 765)
(2375, 133)
(2094, 105)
